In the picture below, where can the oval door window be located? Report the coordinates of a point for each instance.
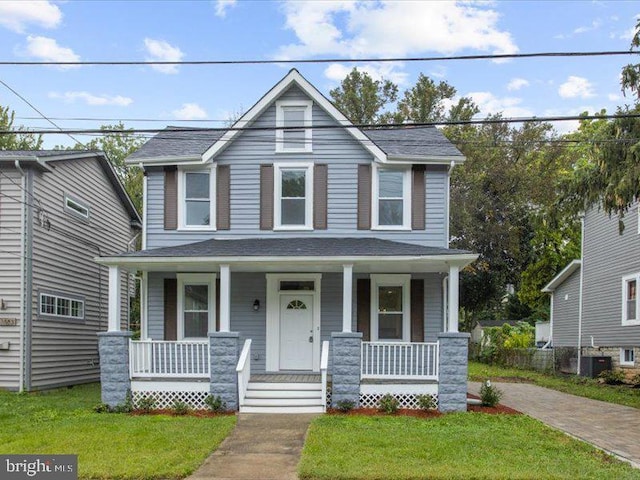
(296, 305)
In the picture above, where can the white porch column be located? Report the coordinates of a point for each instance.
(114, 299)
(347, 289)
(225, 298)
(454, 274)
(144, 319)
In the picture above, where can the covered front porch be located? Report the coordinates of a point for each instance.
(354, 328)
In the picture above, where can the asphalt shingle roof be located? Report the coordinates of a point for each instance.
(295, 247)
(177, 142)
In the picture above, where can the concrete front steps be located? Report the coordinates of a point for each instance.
(280, 397)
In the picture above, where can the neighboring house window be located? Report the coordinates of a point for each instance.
(196, 194)
(61, 306)
(76, 207)
(196, 297)
(293, 196)
(292, 113)
(391, 198)
(630, 300)
(390, 303)
(627, 357)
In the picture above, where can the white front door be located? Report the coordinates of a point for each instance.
(296, 331)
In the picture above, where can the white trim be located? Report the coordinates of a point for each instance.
(399, 389)
(406, 199)
(144, 306)
(562, 276)
(144, 211)
(638, 217)
(391, 280)
(281, 106)
(453, 302)
(208, 279)
(347, 297)
(113, 324)
(166, 160)
(225, 298)
(167, 386)
(625, 281)
(425, 159)
(182, 212)
(272, 347)
(625, 363)
(308, 198)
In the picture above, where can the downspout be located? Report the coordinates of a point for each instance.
(28, 286)
(23, 252)
(580, 293)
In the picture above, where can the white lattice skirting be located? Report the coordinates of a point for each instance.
(167, 399)
(405, 400)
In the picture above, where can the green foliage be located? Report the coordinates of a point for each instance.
(490, 395)
(426, 402)
(612, 377)
(180, 408)
(630, 78)
(215, 403)
(22, 140)
(345, 405)
(126, 406)
(388, 404)
(102, 408)
(498, 341)
(146, 404)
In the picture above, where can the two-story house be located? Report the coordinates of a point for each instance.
(58, 210)
(288, 250)
(594, 301)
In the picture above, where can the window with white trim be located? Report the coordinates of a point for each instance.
(76, 207)
(196, 308)
(293, 196)
(627, 357)
(391, 198)
(630, 299)
(196, 199)
(390, 304)
(61, 306)
(293, 113)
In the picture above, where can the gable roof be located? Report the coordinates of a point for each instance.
(562, 276)
(176, 143)
(39, 159)
(414, 142)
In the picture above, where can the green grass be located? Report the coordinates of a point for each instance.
(583, 387)
(113, 446)
(453, 446)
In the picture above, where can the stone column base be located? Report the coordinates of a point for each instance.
(453, 366)
(115, 381)
(224, 353)
(345, 373)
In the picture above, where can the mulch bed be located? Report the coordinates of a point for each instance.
(498, 409)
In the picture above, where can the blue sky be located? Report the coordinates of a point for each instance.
(232, 30)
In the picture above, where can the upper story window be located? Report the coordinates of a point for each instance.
(391, 198)
(293, 113)
(630, 300)
(293, 196)
(76, 207)
(196, 199)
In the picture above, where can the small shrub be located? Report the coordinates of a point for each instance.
(215, 403)
(426, 402)
(345, 405)
(125, 407)
(388, 404)
(146, 404)
(180, 408)
(489, 395)
(635, 380)
(612, 377)
(102, 408)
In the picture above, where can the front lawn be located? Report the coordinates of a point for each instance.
(113, 446)
(581, 386)
(453, 446)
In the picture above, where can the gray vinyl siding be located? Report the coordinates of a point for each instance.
(65, 351)
(607, 257)
(334, 147)
(566, 299)
(10, 263)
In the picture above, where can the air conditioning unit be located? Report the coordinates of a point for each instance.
(593, 366)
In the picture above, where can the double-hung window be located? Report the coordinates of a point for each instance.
(196, 191)
(292, 117)
(391, 198)
(630, 299)
(390, 303)
(196, 297)
(293, 196)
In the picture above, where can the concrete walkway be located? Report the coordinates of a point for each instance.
(265, 447)
(613, 428)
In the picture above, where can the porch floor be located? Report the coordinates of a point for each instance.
(283, 377)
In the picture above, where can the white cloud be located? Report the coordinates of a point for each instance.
(93, 100)
(517, 84)
(161, 51)
(392, 28)
(613, 97)
(337, 71)
(576, 87)
(17, 14)
(222, 6)
(47, 50)
(588, 28)
(190, 111)
(491, 104)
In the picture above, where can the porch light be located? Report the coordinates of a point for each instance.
(256, 305)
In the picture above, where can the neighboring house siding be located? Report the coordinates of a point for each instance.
(334, 147)
(10, 260)
(608, 256)
(566, 300)
(65, 351)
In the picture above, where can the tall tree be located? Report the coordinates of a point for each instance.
(16, 141)
(630, 78)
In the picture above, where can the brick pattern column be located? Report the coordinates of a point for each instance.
(345, 373)
(453, 365)
(224, 352)
(113, 348)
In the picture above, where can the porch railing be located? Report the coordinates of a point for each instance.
(185, 359)
(395, 360)
(244, 370)
(324, 364)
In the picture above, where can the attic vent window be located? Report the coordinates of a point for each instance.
(76, 207)
(292, 116)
